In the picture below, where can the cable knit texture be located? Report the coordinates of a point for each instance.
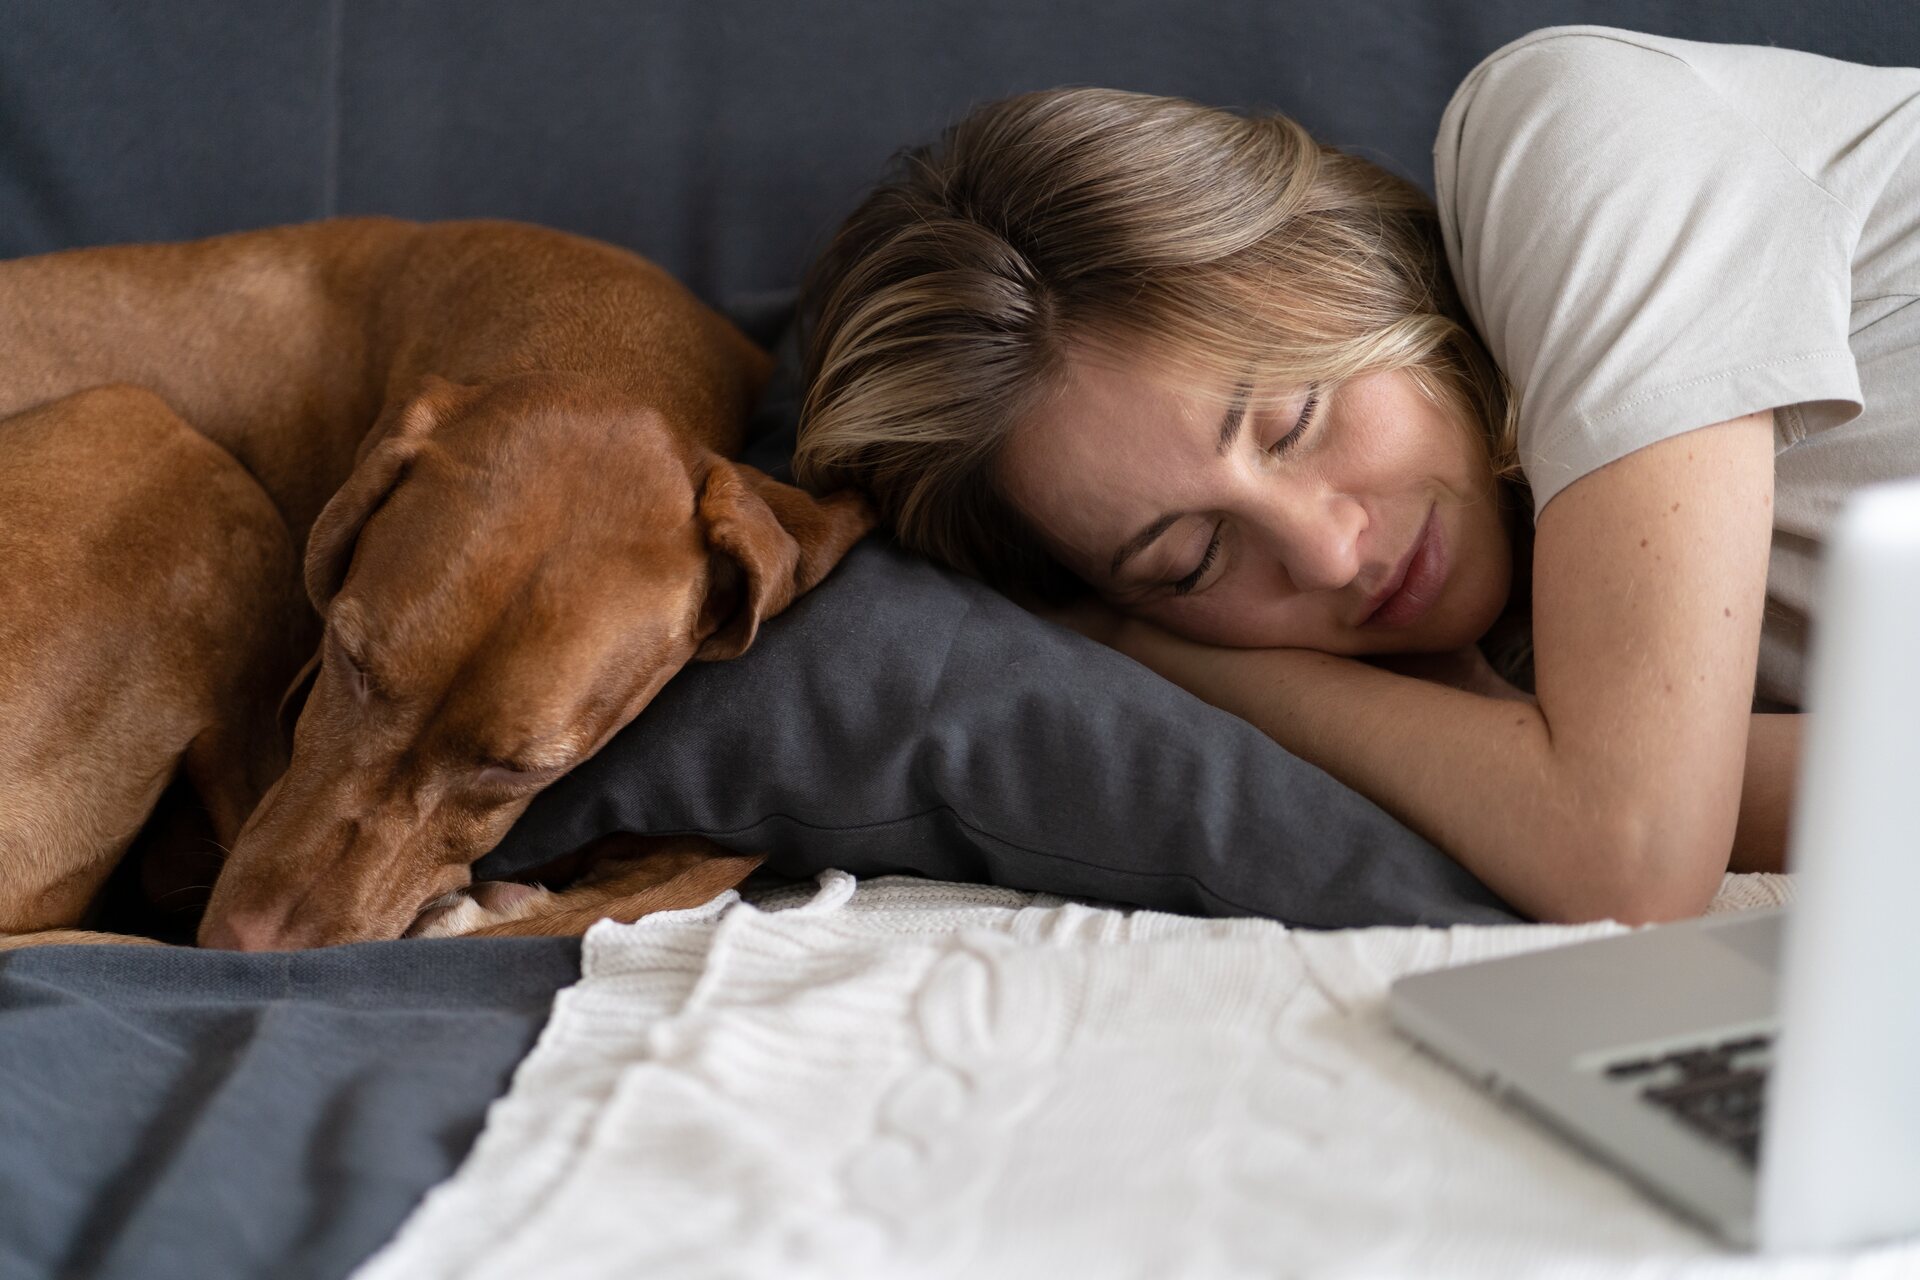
(911, 1079)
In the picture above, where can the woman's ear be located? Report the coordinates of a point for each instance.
(392, 443)
(769, 544)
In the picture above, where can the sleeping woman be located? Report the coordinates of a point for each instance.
(1506, 512)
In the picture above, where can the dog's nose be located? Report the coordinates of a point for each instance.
(244, 931)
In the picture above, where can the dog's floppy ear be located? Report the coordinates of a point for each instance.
(393, 442)
(295, 698)
(769, 544)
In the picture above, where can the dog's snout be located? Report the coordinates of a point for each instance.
(245, 931)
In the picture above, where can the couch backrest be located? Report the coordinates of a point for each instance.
(723, 138)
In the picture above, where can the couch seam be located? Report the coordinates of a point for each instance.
(330, 97)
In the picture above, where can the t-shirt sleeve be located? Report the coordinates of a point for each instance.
(1639, 257)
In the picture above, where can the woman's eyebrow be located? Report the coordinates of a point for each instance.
(1235, 419)
(1140, 541)
(1230, 426)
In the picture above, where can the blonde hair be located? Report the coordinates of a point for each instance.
(1210, 246)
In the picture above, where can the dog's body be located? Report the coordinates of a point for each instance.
(191, 431)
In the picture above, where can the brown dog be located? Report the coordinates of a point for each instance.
(504, 451)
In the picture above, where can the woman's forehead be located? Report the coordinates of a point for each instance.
(1111, 449)
(1109, 408)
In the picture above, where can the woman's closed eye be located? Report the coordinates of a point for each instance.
(1191, 582)
(1186, 585)
(1305, 420)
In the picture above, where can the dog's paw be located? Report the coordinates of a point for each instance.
(489, 902)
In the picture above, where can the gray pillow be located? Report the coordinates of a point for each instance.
(901, 718)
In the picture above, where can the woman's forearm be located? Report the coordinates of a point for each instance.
(1476, 775)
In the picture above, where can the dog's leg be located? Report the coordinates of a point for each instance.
(143, 611)
(69, 937)
(634, 876)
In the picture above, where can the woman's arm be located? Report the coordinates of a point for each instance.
(1766, 787)
(1620, 793)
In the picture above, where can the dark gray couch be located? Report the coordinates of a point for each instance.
(722, 138)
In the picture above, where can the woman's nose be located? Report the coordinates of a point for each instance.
(1319, 543)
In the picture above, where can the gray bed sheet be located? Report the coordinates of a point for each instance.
(166, 1112)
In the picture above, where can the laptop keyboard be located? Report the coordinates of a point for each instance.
(1717, 1090)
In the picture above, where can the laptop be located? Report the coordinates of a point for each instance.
(1757, 1071)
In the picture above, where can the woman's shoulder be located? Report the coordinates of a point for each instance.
(1572, 40)
(1531, 77)
(1548, 141)
(1569, 78)
(1557, 99)
(1638, 251)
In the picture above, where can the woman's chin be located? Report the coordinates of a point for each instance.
(1453, 625)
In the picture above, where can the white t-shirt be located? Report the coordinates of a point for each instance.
(1654, 235)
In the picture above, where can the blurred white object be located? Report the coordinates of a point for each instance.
(1843, 1151)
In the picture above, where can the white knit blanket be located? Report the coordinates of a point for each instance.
(917, 1079)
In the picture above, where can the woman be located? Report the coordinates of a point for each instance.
(1308, 439)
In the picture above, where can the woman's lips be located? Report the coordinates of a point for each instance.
(1426, 575)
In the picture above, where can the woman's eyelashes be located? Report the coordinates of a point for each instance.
(1300, 426)
(1188, 584)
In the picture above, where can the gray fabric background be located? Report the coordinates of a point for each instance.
(720, 137)
(166, 1114)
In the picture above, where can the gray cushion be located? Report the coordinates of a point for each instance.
(902, 718)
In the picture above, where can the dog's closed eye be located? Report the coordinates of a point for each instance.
(507, 773)
(358, 678)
